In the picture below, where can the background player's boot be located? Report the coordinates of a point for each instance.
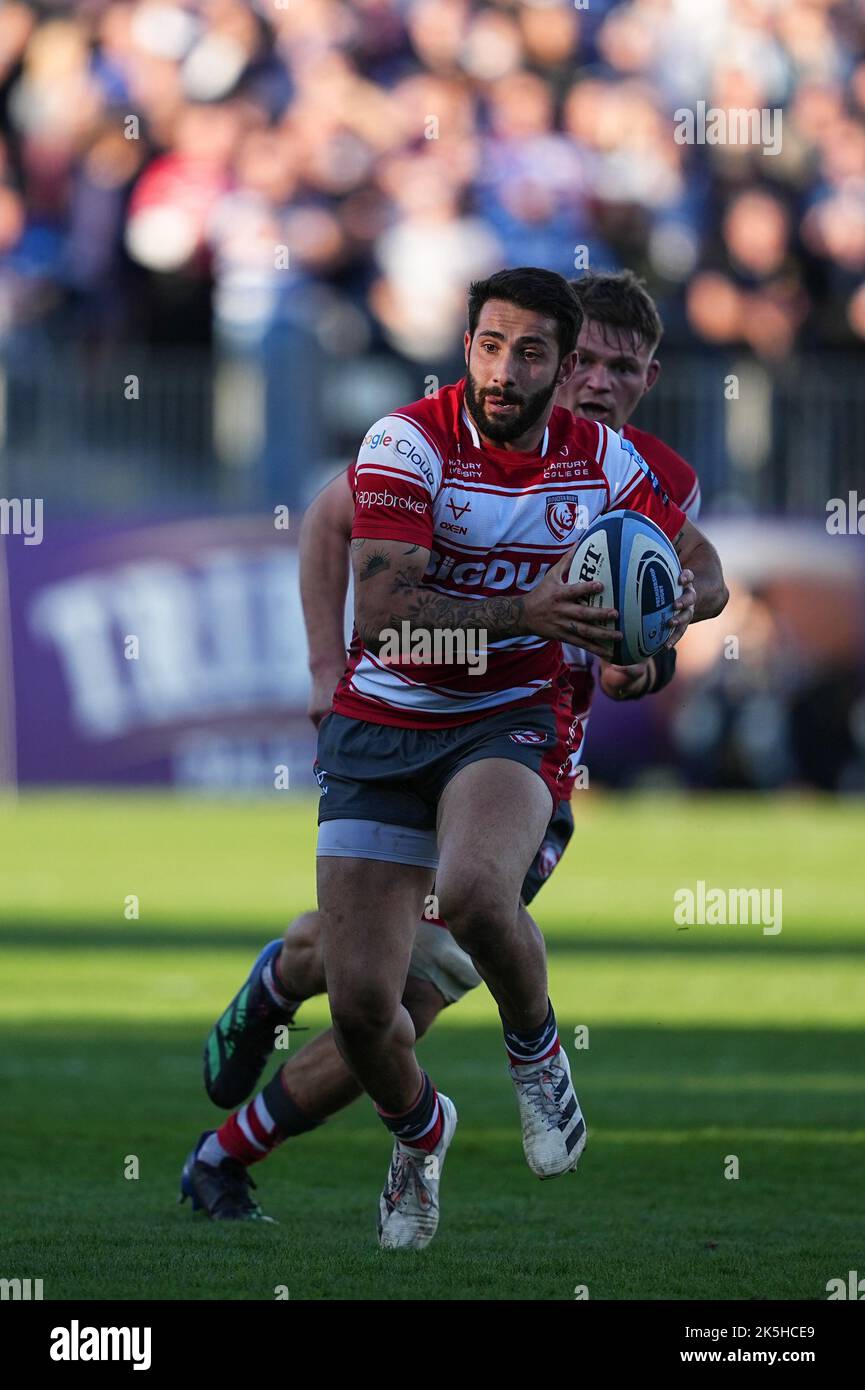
(409, 1204)
(222, 1191)
(554, 1131)
(241, 1041)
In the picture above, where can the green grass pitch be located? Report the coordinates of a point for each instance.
(704, 1042)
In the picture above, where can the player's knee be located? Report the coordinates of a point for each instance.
(304, 933)
(302, 946)
(462, 892)
(478, 918)
(362, 1012)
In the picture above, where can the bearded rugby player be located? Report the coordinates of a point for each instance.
(319, 1082)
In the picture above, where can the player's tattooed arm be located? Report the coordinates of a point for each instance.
(553, 609)
(499, 617)
(372, 564)
(376, 558)
(389, 591)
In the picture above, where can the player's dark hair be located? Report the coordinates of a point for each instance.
(620, 300)
(531, 288)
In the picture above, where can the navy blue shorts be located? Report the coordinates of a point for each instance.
(380, 785)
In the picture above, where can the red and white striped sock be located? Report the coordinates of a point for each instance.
(248, 1136)
(272, 981)
(419, 1127)
(256, 1129)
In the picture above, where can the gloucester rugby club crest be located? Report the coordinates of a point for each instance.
(561, 516)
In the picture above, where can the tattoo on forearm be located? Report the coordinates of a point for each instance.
(424, 609)
(370, 635)
(374, 564)
(499, 617)
(407, 579)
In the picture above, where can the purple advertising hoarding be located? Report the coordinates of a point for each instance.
(158, 652)
(174, 652)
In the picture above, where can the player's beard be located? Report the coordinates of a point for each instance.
(530, 410)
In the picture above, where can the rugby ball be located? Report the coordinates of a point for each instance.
(639, 569)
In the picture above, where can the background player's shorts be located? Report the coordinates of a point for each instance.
(436, 957)
(376, 776)
(555, 842)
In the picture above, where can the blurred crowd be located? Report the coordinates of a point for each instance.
(173, 170)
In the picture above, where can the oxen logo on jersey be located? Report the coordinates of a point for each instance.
(561, 516)
(528, 736)
(458, 512)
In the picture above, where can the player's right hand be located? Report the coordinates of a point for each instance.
(560, 612)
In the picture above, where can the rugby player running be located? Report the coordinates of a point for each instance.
(617, 366)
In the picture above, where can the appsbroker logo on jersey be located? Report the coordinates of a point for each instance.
(390, 499)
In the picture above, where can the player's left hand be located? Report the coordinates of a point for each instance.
(684, 607)
(627, 682)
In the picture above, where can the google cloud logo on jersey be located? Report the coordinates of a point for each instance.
(404, 447)
(372, 441)
(657, 485)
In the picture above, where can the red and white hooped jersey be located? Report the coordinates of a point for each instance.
(494, 521)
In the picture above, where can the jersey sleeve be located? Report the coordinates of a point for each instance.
(396, 478)
(633, 484)
(677, 475)
(693, 502)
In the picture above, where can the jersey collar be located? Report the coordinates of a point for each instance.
(476, 439)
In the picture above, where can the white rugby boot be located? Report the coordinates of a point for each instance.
(409, 1205)
(554, 1131)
